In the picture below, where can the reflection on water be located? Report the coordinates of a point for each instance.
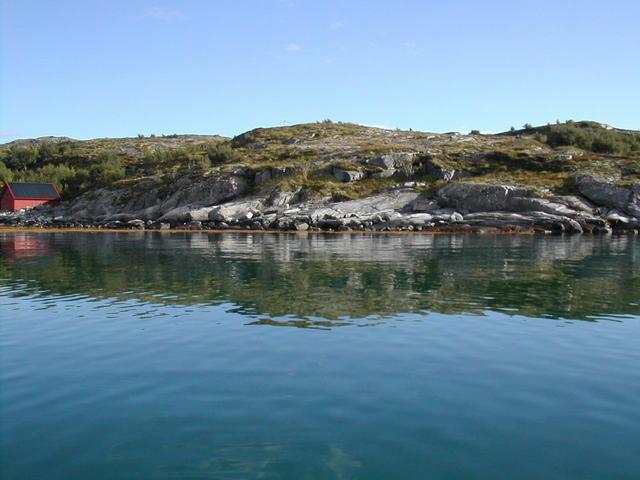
(331, 280)
(150, 356)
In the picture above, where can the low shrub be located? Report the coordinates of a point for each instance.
(219, 153)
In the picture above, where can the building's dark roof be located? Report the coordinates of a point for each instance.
(34, 190)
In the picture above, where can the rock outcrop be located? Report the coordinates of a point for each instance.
(455, 207)
(341, 177)
(476, 197)
(608, 194)
(188, 200)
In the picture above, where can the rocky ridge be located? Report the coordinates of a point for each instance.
(301, 180)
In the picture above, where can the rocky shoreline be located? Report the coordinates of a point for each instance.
(577, 177)
(600, 207)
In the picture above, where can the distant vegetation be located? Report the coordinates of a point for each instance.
(75, 167)
(589, 136)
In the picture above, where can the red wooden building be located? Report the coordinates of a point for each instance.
(16, 196)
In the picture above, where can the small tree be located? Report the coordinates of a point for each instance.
(474, 132)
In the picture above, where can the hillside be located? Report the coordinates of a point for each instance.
(319, 163)
(537, 156)
(77, 166)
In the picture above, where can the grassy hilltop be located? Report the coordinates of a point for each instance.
(544, 157)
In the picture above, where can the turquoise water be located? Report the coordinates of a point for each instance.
(276, 356)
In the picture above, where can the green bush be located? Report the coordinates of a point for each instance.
(607, 145)
(107, 169)
(194, 160)
(6, 175)
(592, 137)
(157, 160)
(21, 158)
(222, 153)
(57, 152)
(60, 175)
(202, 162)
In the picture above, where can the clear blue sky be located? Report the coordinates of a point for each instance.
(87, 68)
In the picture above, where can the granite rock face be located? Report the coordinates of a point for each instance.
(440, 172)
(539, 220)
(606, 193)
(187, 201)
(477, 197)
(228, 202)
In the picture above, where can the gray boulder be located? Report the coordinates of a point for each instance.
(235, 211)
(119, 217)
(534, 204)
(400, 164)
(620, 220)
(423, 204)
(280, 198)
(392, 160)
(439, 172)
(136, 223)
(347, 176)
(523, 220)
(178, 214)
(199, 214)
(262, 177)
(578, 204)
(477, 197)
(384, 173)
(606, 193)
(419, 219)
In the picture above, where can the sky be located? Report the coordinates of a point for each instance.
(93, 68)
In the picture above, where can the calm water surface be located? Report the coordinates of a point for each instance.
(241, 356)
